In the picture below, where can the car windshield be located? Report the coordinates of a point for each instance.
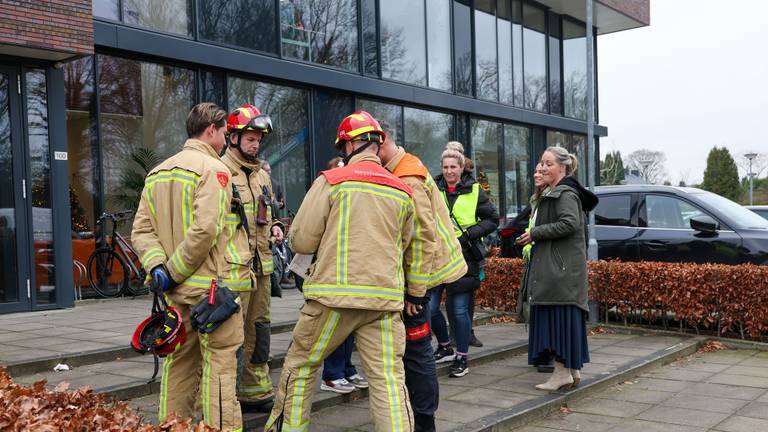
(740, 216)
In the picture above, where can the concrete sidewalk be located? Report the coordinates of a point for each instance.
(94, 325)
(718, 391)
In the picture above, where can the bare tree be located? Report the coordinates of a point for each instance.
(648, 164)
(759, 162)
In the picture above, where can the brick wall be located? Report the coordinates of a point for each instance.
(637, 9)
(57, 25)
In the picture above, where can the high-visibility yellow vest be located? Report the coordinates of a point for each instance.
(465, 209)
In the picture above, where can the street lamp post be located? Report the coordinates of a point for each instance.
(750, 174)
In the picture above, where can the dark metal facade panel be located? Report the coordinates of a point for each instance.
(147, 43)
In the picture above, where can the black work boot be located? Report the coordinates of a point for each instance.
(474, 341)
(424, 423)
(262, 406)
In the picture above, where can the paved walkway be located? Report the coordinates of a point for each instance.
(93, 325)
(718, 391)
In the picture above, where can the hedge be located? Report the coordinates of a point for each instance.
(717, 297)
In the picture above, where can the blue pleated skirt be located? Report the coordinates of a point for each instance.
(558, 331)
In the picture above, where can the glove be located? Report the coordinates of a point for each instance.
(162, 281)
(206, 318)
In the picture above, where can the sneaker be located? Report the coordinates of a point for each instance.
(340, 386)
(459, 367)
(474, 341)
(358, 381)
(444, 354)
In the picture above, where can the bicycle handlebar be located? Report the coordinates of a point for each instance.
(116, 217)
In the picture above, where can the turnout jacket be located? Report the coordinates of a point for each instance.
(251, 181)
(184, 221)
(358, 222)
(437, 257)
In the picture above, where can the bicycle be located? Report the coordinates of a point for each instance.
(116, 269)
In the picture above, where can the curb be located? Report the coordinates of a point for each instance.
(521, 415)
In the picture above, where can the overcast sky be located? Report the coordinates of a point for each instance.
(696, 78)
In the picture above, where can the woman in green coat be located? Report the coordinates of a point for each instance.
(557, 277)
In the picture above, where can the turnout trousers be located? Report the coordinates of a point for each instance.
(419, 362)
(254, 384)
(380, 338)
(204, 365)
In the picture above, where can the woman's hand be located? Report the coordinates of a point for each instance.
(524, 239)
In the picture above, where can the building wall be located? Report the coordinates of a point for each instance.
(637, 9)
(55, 25)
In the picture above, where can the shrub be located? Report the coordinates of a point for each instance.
(724, 298)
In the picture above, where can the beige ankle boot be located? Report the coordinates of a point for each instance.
(576, 374)
(560, 378)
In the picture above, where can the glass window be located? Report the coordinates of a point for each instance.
(575, 69)
(534, 59)
(517, 52)
(486, 138)
(485, 50)
(575, 144)
(8, 264)
(517, 178)
(109, 9)
(391, 114)
(370, 38)
(320, 31)
(171, 16)
(462, 47)
(669, 212)
(439, 44)
(243, 23)
(287, 149)
(42, 207)
(614, 210)
(143, 113)
(213, 87)
(555, 94)
(504, 32)
(426, 133)
(403, 44)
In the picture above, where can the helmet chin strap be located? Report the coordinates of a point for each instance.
(245, 155)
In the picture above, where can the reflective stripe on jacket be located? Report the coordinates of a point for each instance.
(184, 221)
(437, 256)
(359, 232)
(250, 187)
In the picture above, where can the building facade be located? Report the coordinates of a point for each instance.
(92, 94)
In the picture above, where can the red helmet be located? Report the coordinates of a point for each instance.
(160, 333)
(249, 117)
(360, 125)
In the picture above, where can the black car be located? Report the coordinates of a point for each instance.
(674, 224)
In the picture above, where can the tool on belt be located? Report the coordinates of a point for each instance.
(265, 200)
(239, 209)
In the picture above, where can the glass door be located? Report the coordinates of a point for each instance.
(14, 286)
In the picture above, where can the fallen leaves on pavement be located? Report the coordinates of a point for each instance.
(710, 346)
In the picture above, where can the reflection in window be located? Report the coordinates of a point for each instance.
(669, 212)
(485, 50)
(390, 114)
(370, 38)
(517, 52)
(403, 44)
(213, 87)
(535, 59)
(143, 112)
(320, 31)
(575, 69)
(613, 210)
(9, 291)
(575, 144)
(109, 9)
(287, 147)
(504, 31)
(486, 137)
(426, 133)
(171, 16)
(42, 207)
(462, 47)
(439, 43)
(555, 95)
(243, 23)
(517, 178)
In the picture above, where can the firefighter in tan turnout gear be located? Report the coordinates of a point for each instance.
(246, 128)
(186, 235)
(357, 220)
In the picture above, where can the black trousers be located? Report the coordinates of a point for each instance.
(419, 362)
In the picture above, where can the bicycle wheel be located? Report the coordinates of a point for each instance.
(107, 272)
(136, 285)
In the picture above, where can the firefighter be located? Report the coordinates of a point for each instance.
(182, 234)
(441, 262)
(357, 220)
(246, 128)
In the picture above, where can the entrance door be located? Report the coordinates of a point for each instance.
(14, 289)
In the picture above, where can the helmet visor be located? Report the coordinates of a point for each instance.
(261, 122)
